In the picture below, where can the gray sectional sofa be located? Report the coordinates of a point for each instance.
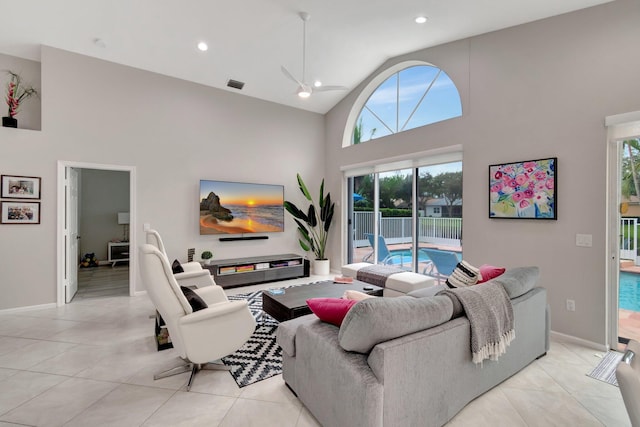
(408, 361)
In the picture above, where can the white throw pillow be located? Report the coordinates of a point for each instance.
(356, 295)
(463, 275)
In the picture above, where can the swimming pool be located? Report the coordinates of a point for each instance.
(403, 257)
(629, 293)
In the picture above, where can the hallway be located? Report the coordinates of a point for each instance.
(104, 281)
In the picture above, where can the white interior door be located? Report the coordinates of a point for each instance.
(71, 234)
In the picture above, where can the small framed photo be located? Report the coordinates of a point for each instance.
(20, 187)
(524, 190)
(20, 212)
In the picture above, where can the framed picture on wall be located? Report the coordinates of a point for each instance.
(19, 212)
(524, 190)
(20, 187)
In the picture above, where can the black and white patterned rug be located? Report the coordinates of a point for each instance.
(260, 357)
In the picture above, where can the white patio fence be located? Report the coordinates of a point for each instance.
(441, 231)
(629, 244)
(448, 231)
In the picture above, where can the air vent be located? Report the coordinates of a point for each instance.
(235, 84)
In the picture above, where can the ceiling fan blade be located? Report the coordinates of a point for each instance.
(288, 74)
(328, 88)
(304, 89)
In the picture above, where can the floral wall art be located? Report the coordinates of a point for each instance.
(523, 189)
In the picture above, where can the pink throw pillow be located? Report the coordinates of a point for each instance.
(489, 272)
(331, 310)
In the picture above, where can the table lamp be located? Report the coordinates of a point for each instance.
(123, 219)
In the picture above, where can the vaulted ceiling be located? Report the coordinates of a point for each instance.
(249, 40)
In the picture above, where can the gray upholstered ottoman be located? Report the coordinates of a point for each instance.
(397, 284)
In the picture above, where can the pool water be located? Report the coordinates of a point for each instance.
(403, 257)
(629, 293)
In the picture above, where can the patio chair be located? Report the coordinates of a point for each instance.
(385, 256)
(442, 263)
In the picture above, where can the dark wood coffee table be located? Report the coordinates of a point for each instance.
(293, 303)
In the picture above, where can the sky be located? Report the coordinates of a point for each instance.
(240, 193)
(424, 86)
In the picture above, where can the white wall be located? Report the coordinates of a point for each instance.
(103, 193)
(174, 133)
(532, 91)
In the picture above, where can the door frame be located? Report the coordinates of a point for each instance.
(619, 127)
(60, 244)
(71, 242)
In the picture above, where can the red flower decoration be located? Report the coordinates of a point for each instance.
(16, 93)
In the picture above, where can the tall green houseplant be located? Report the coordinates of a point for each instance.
(313, 225)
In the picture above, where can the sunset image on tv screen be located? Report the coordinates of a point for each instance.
(238, 208)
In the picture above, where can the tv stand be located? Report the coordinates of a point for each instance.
(230, 273)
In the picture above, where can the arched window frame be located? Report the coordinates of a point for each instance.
(371, 87)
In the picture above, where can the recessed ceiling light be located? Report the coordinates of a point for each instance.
(317, 83)
(421, 19)
(203, 46)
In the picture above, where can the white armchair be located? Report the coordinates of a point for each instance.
(193, 274)
(199, 337)
(628, 376)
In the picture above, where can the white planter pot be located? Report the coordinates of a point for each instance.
(321, 267)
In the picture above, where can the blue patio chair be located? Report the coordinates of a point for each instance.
(442, 263)
(385, 256)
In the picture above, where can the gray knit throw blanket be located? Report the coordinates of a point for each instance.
(376, 274)
(490, 314)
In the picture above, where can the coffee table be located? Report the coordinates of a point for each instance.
(293, 303)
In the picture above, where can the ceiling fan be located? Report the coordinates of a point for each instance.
(305, 89)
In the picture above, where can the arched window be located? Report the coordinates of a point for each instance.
(412, 97)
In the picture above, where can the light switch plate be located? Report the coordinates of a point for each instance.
(584, 240)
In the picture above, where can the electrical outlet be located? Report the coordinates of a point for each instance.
(571, 305)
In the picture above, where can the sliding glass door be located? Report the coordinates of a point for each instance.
(394, 214)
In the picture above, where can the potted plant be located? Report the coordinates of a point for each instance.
(314, 225)
(16, 94)
(206, 256)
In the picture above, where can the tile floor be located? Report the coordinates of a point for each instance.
(91, 362)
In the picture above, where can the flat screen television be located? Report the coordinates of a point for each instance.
(240, 208)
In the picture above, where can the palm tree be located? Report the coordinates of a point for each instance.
(357, 133)
(633, 144)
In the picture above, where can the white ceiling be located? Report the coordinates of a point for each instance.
(250, 39)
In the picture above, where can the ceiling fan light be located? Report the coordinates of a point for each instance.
(303, 93)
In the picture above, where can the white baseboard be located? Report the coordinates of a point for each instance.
(28, 308)
(579, 341)
(139, 293)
